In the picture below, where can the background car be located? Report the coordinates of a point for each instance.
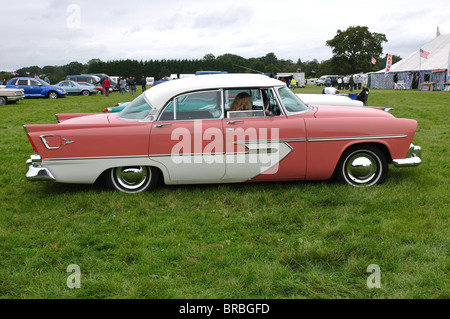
(36, 88)
(116, 108)
(10, 95)
(92, 79)
(72, 87)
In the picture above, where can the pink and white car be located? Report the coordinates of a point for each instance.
(188, 132)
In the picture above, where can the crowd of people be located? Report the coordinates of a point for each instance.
(350, 82)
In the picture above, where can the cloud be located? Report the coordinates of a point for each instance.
(38, 33)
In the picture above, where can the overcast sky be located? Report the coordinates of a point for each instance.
(57, 32)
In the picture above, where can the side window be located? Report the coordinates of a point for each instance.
(251, 103)
(193, 106)
(22, 82)
(34, 83)
(14, 82)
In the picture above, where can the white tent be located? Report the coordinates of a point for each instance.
(415, 69)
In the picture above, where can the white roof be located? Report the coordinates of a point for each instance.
(438, 48)
(158, 95)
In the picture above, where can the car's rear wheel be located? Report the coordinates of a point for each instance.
(53, 95)
(132, 179)
(2, 100)
(86, 93)
(362, 166)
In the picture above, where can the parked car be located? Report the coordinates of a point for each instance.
(323, 79)
(114, 80)
(97, 86)
(36, 88)
(92, 79)
(10, 95)
(73, 87)
(327, 99)
(190, 131)
(116, 108)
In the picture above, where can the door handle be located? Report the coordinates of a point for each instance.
(162, 125)
(234, 122)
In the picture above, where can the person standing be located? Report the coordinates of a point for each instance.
(106, 86)
(134, 84)
(351, 82)
(339, 81)
(122, 85)
(47, 79)
(293, 84)
(143, 83)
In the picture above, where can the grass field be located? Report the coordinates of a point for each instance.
(267, 240)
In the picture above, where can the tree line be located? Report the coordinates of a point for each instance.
(353, 50)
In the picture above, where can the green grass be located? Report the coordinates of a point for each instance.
(265, 240)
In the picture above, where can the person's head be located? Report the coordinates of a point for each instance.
(242, 102)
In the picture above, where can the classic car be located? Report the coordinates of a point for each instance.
(226, 128)
(10, 95)
(36, 88)
(73, 87)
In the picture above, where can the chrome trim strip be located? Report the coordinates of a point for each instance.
(90, 158)
(44, 141)
(346, 138)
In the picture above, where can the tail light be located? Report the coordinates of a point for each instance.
(32, 144)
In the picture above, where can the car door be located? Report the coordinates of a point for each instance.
(263, 144)
(188, 138)
(24, 85)
(35, 87)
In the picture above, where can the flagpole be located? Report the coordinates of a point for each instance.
(420, 67)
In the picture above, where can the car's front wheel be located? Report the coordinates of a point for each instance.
(362, 166)
(53, 95)
(86, 93)
(2, 100)
(131, 179)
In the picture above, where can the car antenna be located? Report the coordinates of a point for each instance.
(248, 69)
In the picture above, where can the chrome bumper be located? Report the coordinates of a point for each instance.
(413, 158)
(35, 172)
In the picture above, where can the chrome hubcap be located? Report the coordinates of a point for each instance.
(361, 168)
(131, 177)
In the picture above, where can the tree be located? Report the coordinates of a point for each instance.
(209, 57)
(354, 48)
(73, 68)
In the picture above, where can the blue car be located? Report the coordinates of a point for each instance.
(36, 88)
(72, 87)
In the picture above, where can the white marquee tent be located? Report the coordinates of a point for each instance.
(415, 69)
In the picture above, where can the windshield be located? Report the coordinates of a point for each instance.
(138, 109)
(291, 101)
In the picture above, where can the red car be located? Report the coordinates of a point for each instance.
(225, 128)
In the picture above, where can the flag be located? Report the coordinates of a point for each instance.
(424, 54)
(374, 61)
(14, 74)
(388, 64)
